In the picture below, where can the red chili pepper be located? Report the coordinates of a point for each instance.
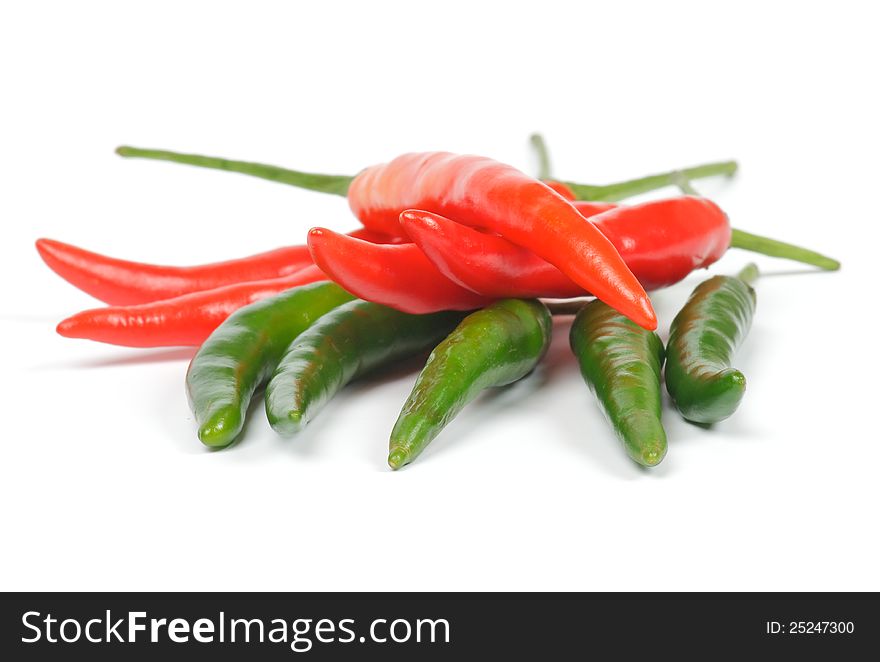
(561, 189)
(185, 320)
(588, 209)
(485, 263)
(399, 276)
(661, 242)
(122, 282)
(665, 240)
(484, 193)
(481, 192)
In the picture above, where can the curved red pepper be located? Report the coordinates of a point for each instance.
(122, 282)
(484, 193)
(665, 240)
(398, 276)
(661, 241)
(590, 209)
(185, 320)
(485, 263)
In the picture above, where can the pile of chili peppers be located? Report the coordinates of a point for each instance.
(457, 257)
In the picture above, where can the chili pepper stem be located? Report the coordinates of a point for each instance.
(335, 184)
(749, 273)
(540, 148)
(631, 187)
(684, 184)
(766, 246)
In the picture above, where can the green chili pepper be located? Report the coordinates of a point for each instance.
(491, 347)
(344, 344)
(241, 353)
(702, 340)
(621, 362)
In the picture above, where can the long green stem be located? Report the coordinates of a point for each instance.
(758, 244)
(335, 184)
(765, 245)
(749, 273)
(630, 187)
(543, 155)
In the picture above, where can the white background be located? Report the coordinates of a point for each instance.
(104, 484)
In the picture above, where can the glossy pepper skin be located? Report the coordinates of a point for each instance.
(480, 192)
(124, 283)
(561, 189)
(491, 347)
(186, 320)
(398, 276)
(473, 190)
(621, 363)
(344, 344)
(682, 179)
(703, 338)
(661, 242)
(244, 351)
